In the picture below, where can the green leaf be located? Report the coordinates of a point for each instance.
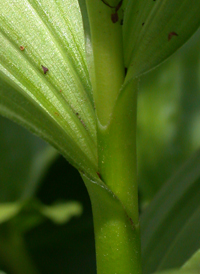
(56, 104)
(30, 214)
(193, 264)
(170, 226)
(176, 271)
(168, 117)
(153, 30)
(8, 211)
(24, 159)
(62, 212)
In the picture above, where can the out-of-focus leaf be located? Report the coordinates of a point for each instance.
(168, 117)
(24, 159)
(32, 213)
(39, 166)
(8, 211)
(158, 104)
(153, 30)
(176, 271)
(192, 266)
(56, 104)
(62, 212)
(171, 224)
(71, 242)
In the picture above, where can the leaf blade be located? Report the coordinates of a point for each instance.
(64, 92)
(168, 223)
(153, 30)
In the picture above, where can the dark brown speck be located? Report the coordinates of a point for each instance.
(171, 34)
(44, 69)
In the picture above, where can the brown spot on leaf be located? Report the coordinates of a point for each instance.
(22, 48)
(125, 70)
(99, 175)
(107, 4)
(44, 69)
(143, 24)
(56, 113)
(118, 6)
(83, 123)
(132, 223)
(171, 34)
(114, 17)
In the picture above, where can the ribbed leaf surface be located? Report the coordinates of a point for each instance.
(55, 104)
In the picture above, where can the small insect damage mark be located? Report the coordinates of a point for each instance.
(44, 69)
(143, 24)
(56, 113)
(22, 48)
(114, 16)
(171, 34)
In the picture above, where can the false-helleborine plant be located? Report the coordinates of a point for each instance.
(69, 73)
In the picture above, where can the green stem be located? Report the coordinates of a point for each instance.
(117, 239)
(116, 224)
(117, 151)
(108, 58)
(115, 206)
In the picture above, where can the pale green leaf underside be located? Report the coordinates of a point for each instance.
(57, 105)
(150, 29)
(170, 226)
